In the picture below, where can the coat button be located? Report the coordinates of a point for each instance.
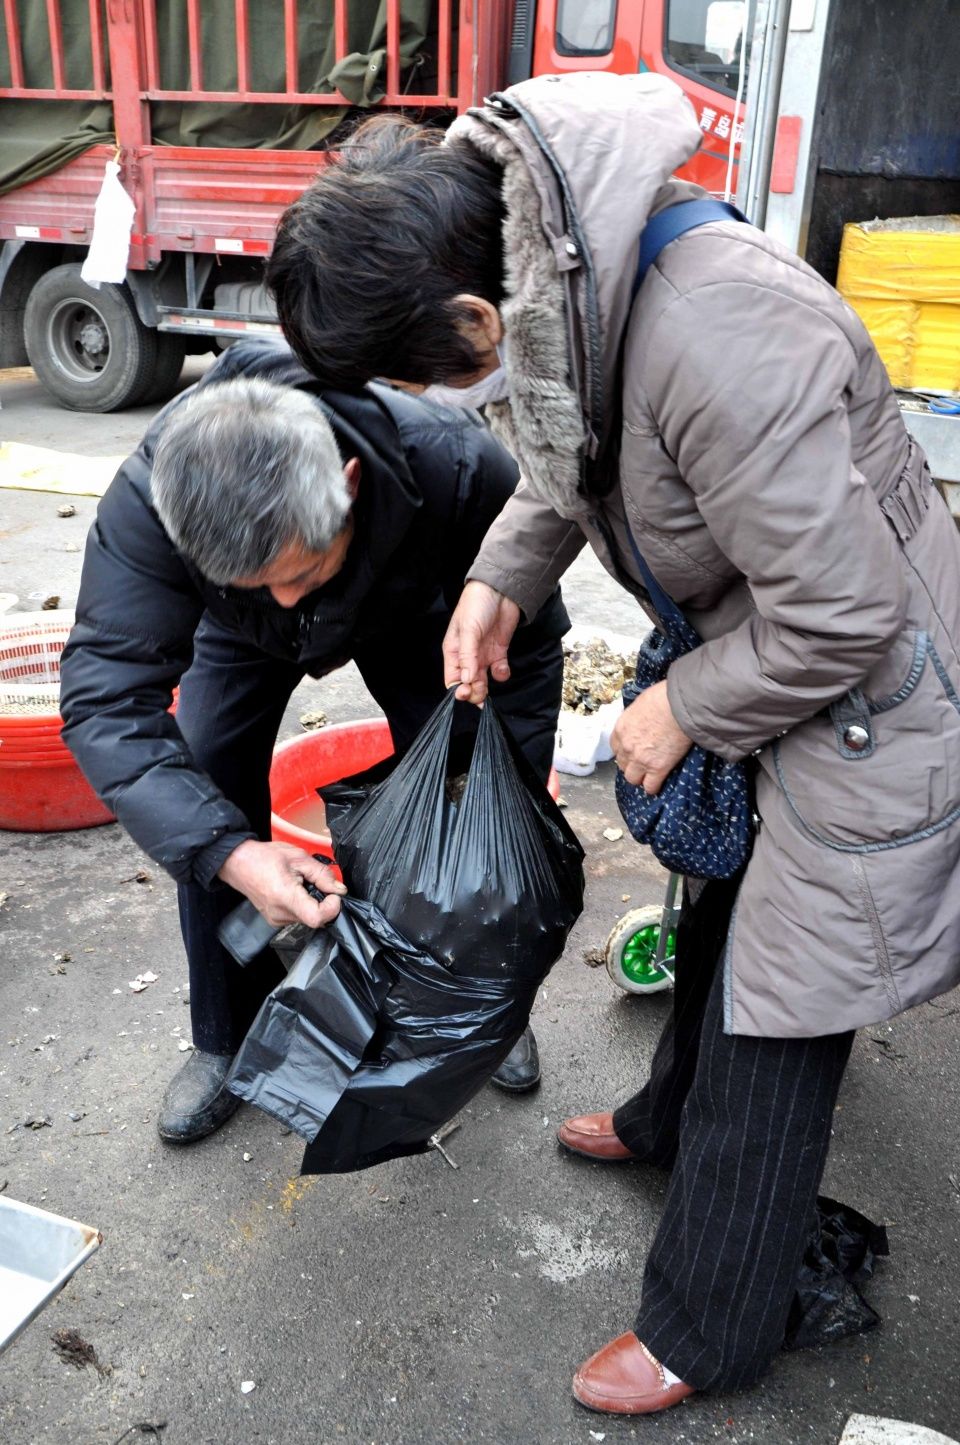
(856, 738)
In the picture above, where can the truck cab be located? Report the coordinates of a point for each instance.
(704, 45)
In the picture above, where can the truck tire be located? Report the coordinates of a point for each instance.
(171, 351)
(88, 347)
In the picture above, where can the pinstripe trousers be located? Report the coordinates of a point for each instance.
(744, 1124)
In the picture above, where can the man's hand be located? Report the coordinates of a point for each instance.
(647, 741)
(271, 875)
(477, 640)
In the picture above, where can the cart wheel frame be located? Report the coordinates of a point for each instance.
(631, 951)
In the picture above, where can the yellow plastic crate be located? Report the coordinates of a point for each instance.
(902, 277)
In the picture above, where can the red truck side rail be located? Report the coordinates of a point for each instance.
(205, 217)
(195, 199)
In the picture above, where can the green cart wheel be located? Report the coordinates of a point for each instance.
(631, 952)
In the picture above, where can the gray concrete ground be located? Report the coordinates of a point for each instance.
(411, 1304)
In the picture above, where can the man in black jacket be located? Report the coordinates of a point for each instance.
(263, 531)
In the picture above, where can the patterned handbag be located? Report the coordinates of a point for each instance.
(700, 824)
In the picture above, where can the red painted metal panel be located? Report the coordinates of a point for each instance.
(8, 92)
(242, 22)
(252, 97)
(466, 70)
(341, 40)
(410, 99)
(151, 47)
(174, 321)
(786, 150)
(445, 33)
(192, 199)
(193, 44)
(33, 233)
(13, 43)
(62, 202)
(202, 196)
(56, 43)
(290, 44)
(96, 44)
(241, 246)
(131, 118)
(393, 50)
(131, 115)
(491, 41)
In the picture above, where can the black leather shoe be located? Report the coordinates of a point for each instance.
(197, 1101)
(520, 1070)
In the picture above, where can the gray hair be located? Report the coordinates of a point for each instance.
(243, 469)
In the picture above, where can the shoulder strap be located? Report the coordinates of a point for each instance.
(672, 619)
(674, 222)
(659, 231)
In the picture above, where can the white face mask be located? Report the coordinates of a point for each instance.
(493, 387)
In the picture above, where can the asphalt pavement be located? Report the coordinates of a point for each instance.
(411, 1304)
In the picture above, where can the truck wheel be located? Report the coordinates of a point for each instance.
(632, 950)
(171, 351)
(88, 347)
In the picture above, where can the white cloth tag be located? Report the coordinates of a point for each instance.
(112, 223)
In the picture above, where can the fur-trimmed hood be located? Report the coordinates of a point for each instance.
(584, 158)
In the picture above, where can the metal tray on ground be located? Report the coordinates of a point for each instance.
(39, 1252)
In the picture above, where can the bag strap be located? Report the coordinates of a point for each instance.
(666, 609)
(674, 222)
(659, 231)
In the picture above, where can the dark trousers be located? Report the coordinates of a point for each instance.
(745, 1125)
(232, 701)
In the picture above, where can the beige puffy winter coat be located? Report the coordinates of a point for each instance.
(754, 445)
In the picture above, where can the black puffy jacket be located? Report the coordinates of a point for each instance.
(432, 481)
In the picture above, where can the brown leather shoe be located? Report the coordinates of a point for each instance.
(593, 1136)
(624, 1379)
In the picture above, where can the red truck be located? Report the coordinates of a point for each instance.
(221, 114)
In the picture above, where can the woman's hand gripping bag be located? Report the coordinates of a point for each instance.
(462, 894)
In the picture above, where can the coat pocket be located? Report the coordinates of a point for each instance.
(901, 780)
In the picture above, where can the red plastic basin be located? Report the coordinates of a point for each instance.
(48, 797)
(303, 764)
(42, 790)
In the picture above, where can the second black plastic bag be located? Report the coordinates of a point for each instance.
(465, 880)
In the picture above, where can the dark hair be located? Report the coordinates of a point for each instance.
(367, 261)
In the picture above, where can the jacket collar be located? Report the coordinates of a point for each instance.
(585, 160)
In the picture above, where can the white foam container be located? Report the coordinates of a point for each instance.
(584, 740)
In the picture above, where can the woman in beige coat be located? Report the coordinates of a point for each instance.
(736, 418)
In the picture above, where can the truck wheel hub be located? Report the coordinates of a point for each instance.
(93, 337)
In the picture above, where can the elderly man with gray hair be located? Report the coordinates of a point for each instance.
(266, 530)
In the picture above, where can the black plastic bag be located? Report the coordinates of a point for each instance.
(399, 1011)
(841, 1253)
(490, 884)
